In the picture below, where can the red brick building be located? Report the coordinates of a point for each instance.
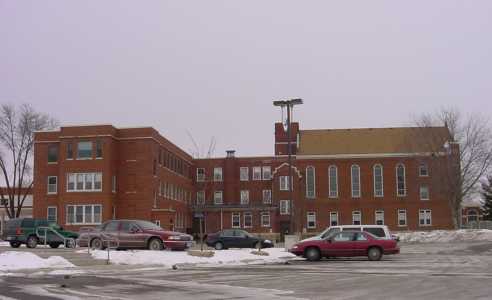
(88, 174)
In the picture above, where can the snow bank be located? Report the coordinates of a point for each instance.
(170, 258)
(444, 236)
(4, 244)
(13, 260)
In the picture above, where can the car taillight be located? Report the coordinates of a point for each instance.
(18, 231)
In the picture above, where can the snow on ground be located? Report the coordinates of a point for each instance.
(12, 260)
(446, 236)
(170, 258)
(4, 244)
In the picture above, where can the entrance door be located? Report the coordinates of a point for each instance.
(284, 229)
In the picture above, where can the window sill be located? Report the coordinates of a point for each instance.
(99, 158)
(84, 158)
(51, 194)
(53, 163)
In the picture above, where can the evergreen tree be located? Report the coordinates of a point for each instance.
(487, 197)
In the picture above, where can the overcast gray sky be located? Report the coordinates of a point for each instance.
(214, 67)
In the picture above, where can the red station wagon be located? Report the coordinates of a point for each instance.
(346, 244)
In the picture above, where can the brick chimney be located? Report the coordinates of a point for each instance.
(281, 138)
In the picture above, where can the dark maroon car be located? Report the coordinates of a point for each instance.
(346, 244)
(126, 234)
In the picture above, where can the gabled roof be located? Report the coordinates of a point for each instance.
(372, 140)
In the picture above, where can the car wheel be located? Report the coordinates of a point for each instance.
(374, 253)
(70, 243)
(155, 244)
(54, 245)
(312, 254)
(97, 244)
(219, 246)
(32, 242)
(15, 244)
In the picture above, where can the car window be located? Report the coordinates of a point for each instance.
(42, 222)
(330, 231)
(111, 226)
(240, 233)
(359, 236)
(227, 233)
(28, 223)
(353, 228)
(343, 236)
(147, 225)
(125, 226)
(379, 232)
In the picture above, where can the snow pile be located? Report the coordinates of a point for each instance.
(444, 236)
(12, 260)
(4, 244)
(170, 258)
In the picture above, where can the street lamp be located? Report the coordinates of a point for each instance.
(290, 107)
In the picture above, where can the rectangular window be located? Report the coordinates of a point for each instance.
(52, 214)
(333, 181)
(248, 220)
(200, 174)
(379, 215)
(244, 197)
(218, 198)
(84, 182)
(333, 218)
(256, 173)
(311, 220)
(425, 217)
(52, 185)
(284, 207)
(218, 174)
(84, 150)
(244, 173)
(356, 217)
(355, 176)
(113, 184)
(52, 153)
(284, 183)
(79, 214)
(88, 215)
(423, 170)
(200, 197)
(71, 182)
(70, 214)
(402, 217)
(98, 181)
(424, 192)
(236, 220)
(267, 196)
(265, 219)
(69, 150)
(267, 173)
(99, 149)
(310, 182)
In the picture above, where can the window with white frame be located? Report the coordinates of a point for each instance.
(84, 150)
(333, 182)
(200, 174)
(424, 192)
(52, 185)
(267, 172)
(284, 207)
(311, 219)
(379, 217)
(267, 196)
(284, 183)
(236, 220)
(256, 173)
(265, 219)
(217, 174)
(378, 180)
(84, 182)
(401, 186)
(244, 197)
(423, 170)
(355, 178)
(310, 182)
(402, 217)
(218, 198)
(248, 220)
(113, 184)
(356, 217)
(244, 173)
(200, 197)
(157, 222)
(52, 214)
(333, 218)
(425, 217)
(84, 214)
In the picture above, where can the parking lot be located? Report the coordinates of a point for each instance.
(460, 270)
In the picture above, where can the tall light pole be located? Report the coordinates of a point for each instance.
(289, 104)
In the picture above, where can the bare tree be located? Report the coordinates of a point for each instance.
(460, 172)
(17, 127)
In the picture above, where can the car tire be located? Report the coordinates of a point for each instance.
(219, 246)
(54, 245)
(312, 254)
(15, 244)
(155, 244)
(32, 241)
(97, 244)
(374, 254)
(70, 243)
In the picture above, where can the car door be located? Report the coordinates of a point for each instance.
(340, 244)
(242, 239)
(227, 238)
(361, 243)
(109, 233)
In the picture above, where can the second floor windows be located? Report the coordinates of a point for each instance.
(99, 149)
(84, 182)
(200, 174)
(256, 173)
(218, 198)
(333, 182)
(267, 172)
(355, 178)
(244, 197)
(84, 150)
(200, 198)
(69, 150)
(424, 192)
(378, 180)
(284, 183)
(423, 170)
(52, 184)
(267, 196)
(244, 173)
(310, 182)
(401, 186)
(285, 207)
(218, 174)
(52, 153)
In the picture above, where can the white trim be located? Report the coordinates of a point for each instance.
(269, 192)
(329, 181)
(352, 181)
(428, 192)
(313, 196)
(331, 219)
(241, 169)
(427, 214)
(398, 217)
(48, 214)
(244, 219)
(364, 155)
(48, 186)
(256, 168)
(381, 212)
(200, 179)
(374, 179)
(286, 210)
(354, 213)
(286, 164)
(83, 215)
(221, 197)
(264, 214)
(218, 174)
(426, 167)
(263, 168)
(311, 214)
(404, 180)
(244, 200)
(238, 215)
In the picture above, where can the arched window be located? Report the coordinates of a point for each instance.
(310, 182)
(333, 182)
(401, 186)
(378, 180)
(355, 174)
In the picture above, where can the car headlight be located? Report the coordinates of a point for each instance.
(295, 247)
(267, 241)
(175, 237)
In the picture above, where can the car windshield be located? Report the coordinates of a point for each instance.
(148, 225)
